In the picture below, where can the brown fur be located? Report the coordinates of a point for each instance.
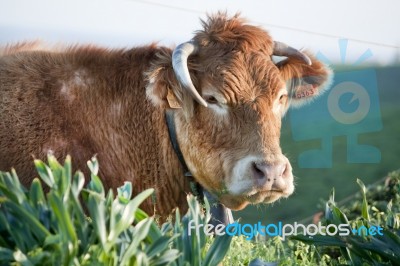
(18, 47)
(88, 100)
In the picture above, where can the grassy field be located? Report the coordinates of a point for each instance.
(312, 185)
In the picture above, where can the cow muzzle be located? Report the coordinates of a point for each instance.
(254, 180)
(267, 175)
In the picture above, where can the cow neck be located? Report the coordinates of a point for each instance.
(195, 187)
(219, 213)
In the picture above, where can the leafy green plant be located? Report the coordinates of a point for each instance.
(357, 249)
(76, 225)
(196, 246)
(54, 228)
(377, 205)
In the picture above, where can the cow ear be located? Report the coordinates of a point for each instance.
(160, 93)
(305, 82)
(163, 88)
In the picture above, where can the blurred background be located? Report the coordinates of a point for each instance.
(353, 131)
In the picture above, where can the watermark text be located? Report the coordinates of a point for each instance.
(282, 230)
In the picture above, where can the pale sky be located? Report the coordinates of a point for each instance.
(313, 24)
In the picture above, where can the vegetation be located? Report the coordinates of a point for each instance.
(365, 249)
(53, 229)
(76, 225)
(378, 205)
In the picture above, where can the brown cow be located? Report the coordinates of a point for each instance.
(85, 100)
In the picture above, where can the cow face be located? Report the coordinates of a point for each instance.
(233, 97)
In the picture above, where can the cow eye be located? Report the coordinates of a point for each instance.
(211, 99)
(282, 98)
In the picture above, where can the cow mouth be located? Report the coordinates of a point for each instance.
(267, 196)
(236, 202)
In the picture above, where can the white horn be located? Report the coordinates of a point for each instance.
(179, 63)
(282, 49)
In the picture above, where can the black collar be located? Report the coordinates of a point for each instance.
(219, 213)
(169, 118)
(197, 189)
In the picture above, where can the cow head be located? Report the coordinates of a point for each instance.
(233, 97)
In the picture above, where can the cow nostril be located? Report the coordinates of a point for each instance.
(285, 170)
(258, 173)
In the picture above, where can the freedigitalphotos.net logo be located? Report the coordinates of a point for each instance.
(282, 230)
(349, 108)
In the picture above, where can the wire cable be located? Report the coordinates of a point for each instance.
(194, 11)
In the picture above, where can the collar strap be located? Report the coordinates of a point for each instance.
(219, 213)
(195, 187)
(169, 117)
